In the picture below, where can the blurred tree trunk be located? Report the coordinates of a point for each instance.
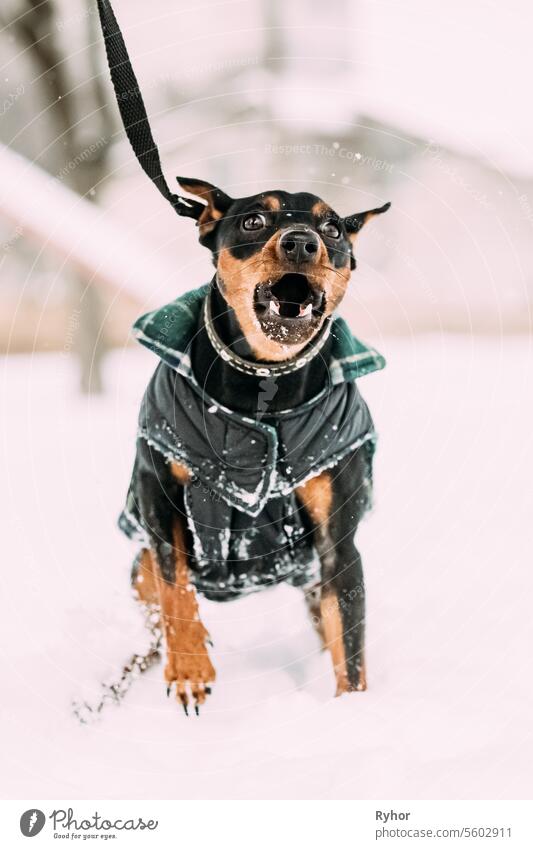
(83, 168)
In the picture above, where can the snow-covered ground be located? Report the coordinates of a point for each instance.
(448, 561)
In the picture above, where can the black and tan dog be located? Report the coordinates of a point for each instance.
(283, 262)
(255, 447)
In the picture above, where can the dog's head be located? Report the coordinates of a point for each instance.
(283, 261)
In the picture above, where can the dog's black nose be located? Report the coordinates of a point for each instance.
(299, 245)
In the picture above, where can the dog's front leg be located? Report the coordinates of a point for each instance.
(340, 616)
(188, 665)
(342, 612)
(159, 488)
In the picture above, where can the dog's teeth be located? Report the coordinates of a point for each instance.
(274, 306)
(307, 311)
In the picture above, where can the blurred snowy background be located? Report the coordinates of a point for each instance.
(423, 104)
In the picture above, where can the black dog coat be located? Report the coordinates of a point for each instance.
(247, 527)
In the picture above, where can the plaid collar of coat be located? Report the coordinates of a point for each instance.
(169, 330)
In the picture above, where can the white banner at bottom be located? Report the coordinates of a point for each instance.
(262, 824)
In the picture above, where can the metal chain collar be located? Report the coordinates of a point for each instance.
(262, 369)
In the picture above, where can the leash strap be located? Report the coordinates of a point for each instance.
(133, 111)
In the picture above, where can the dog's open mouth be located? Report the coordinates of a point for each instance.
(291, 303)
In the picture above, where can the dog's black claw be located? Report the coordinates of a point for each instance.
(208, 691)
(185, 708)
(210, 642)
(197, 710)
(169, 690)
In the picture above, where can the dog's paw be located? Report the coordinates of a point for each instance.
(190, 674)
(355, 684)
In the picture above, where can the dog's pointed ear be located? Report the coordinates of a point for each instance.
(216, 203)
(356, 222)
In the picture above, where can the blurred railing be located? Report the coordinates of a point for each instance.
(83, 235)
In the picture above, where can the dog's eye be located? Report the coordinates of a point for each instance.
(331, 229)
(255, 221)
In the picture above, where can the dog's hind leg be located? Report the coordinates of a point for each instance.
(312, 600)
(144, 579)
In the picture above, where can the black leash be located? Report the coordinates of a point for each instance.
(133, 111)
(115, 692)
